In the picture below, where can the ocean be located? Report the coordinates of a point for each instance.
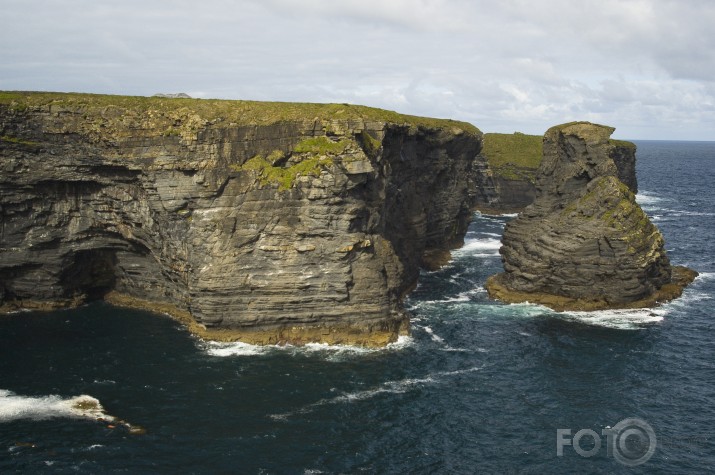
(479, 386)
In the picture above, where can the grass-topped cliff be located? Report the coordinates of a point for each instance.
(517, 156)
(172, 116)
(267, 222)
(513, 156)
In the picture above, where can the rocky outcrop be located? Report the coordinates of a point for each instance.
(264, 222)
(584, 243)
(513, 160)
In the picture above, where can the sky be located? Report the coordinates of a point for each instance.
(646, 67)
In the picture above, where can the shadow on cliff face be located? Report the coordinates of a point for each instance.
(89, 274)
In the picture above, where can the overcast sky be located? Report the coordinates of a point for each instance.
(646, 67)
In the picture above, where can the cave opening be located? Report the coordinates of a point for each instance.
(90, 274)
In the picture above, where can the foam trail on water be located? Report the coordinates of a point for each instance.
(388, 387)
(432, 335)
(620, 319)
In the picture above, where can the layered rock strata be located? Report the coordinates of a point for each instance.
(513, 160)
(584, 243)
(263, 222)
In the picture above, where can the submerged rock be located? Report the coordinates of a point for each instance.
(584, 243)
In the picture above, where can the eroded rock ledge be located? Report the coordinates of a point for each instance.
(584, 244)
(264, 222)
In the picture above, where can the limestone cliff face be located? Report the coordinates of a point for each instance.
(584, 243)
(262, 222)
(513, 161)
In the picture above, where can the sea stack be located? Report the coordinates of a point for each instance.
(584, 244)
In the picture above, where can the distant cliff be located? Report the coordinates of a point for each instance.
(513, 160)
(584, 243)
(265, 222)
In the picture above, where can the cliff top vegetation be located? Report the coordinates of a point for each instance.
(234, 112)
(517, 156)
(513, 156)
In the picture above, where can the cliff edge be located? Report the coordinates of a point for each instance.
(584, 243)
(513, 161)
(261, 222)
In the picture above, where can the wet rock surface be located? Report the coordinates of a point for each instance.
(585, 243)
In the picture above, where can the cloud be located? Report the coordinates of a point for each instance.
(644, 66)
(417, 15)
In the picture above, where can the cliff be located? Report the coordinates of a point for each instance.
(513, 160)
(264, 222)
(584, 243)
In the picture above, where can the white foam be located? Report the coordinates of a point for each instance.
(459, 371)
(689, 296)
(14, 407)
(237, 348)
(484, 243)
(432, 335)
(675, 213)
(456, 350)
(647, 198)
(621, 319)
(403, 341)
(502, 215)
(485, 247)
(474, 291)
(705, 276)
(526, 309)
(223, 349)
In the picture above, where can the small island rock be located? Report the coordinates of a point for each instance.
(584, 244)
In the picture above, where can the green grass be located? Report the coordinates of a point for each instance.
(321, 145)
(284, 177)
(213, 110)
(513, 156)
(622, 143)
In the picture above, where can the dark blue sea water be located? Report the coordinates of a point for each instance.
(480, 387)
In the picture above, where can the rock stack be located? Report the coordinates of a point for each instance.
(584, 244)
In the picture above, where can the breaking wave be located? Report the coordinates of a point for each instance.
(648, 198)
(488, 247)
(224, 349)
(15, 407)
(619, 319)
